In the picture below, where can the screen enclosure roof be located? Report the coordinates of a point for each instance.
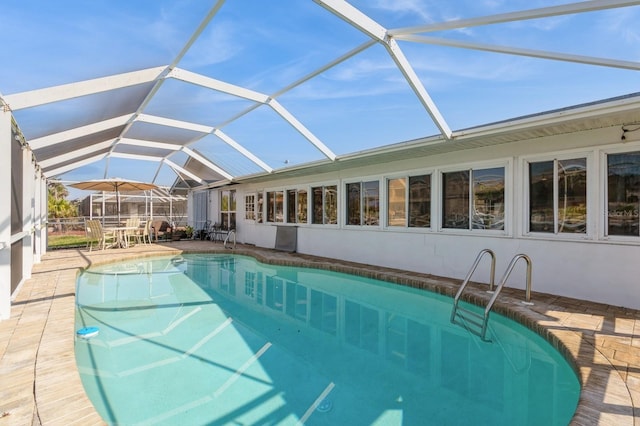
(196, 93)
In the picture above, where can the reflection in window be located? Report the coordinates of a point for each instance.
(420, 201)
(363, 203)
(455, 200)
(623, 185)
(297, 206)
(291, 206)
(301, 206)
(275, 206)
(414, 212)
(397, 202)
(259, 208)
(488, 198)
(485, 197)
(228, 209)
(558, 196)
(325, 205)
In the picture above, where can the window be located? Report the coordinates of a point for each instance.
(250, 207)
(558, 196)
(275, 206)
(302, 207)
(473, 199)
(623, 194)
(409, 201)
(228, 209)
(363, 203)
(260, 208)
(325, 204)
(297, 206)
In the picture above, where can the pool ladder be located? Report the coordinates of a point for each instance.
(231, 235)
(481, 321)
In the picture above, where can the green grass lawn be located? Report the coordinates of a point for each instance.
(66, 241)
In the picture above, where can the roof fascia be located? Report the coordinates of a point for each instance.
(618, 105)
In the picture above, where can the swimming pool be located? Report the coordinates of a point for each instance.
(223, 339)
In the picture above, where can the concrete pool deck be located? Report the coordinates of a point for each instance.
(40, 384)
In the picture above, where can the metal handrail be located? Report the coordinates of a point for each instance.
(232, 232)
(494, 297)
(487, 309)
(468, 277)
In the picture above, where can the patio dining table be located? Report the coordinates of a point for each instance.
(121, 235)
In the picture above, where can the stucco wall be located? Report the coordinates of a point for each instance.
(592, 266)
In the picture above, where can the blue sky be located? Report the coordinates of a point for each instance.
(359, 104)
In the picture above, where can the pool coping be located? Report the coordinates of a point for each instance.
(43, 386)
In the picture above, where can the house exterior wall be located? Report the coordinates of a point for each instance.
(590, 265)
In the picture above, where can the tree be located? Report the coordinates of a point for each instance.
(58, 204)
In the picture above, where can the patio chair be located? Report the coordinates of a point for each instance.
(132, 234)
(95, 233)
(145, 232)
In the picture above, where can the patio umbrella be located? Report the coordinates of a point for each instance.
(114, 185)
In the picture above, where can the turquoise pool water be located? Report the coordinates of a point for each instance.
(224, 339)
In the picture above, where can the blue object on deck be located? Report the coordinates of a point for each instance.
(88, 332)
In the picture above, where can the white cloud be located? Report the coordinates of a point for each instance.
(217, 44)
(406, 7)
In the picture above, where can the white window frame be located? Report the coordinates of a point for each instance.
(592, 193)
(345, 202)
(311, 205)
(385, 200)
(438, 205)
(604, 192)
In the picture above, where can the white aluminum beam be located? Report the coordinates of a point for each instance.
(177, 169)
(412, 78)
(590, 60)
(63, 92)
(207, 163)
(77, 164)
(355, 17)
(220, 86)
(179, 124)
(135, 156)
(277, 107)
(53, 161)
(79, 132)
(150, 144)
(229, 141)
(545, 12)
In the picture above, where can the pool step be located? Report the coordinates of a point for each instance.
(472, 321)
